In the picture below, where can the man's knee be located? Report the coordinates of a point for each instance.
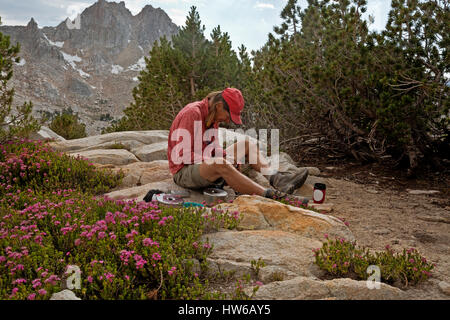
(223, 167)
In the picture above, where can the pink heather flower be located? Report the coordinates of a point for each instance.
(346, 264)
(334, 266)
(131, 234)
(149, 242)
(414, 269)
(77, 242)
(52, 279)
(195, 245)
(127, 277)
(156, 256)
(90, 279)
(42, 292)
(196, 275)
(2, 259)
(101, 235)
(36, 283)
(14, 291)
(162, 222)
(424, 260)
(326, 235)
(411, 260)
(206, 246)
(140, 263)
(172, 270)
(31, 296)
(259, 283)
(109, 276)
(68, 169)
(19, 281)
(388, 247)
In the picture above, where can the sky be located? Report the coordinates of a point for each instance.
(247, 22)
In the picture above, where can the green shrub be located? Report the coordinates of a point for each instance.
(68, 126)
(340, 258)
(26, 164)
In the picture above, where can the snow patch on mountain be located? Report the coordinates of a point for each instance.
(116, 69)
(58, 44)
(138, 66)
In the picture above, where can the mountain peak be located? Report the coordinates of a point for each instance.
(32, 24)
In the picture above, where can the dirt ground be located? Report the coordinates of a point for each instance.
(380, 211)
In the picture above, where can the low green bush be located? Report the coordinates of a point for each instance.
(26, 164)
(68, 126)
(341, 258)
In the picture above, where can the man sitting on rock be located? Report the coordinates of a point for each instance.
(192, 169)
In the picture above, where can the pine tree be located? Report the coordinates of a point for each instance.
(192, 43)
(14, 120)
(291, 16)
(223, 64)
(418, 32)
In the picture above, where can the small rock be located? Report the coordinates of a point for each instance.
(152, 152)
(107, 156)
(417, 192)
(45, 133)
(322, 207)
(382, 231)
(434, 219)
(313, 171)
(373, 191)
(445, 287)
(330, 168)
(64, 295)
(423, 236)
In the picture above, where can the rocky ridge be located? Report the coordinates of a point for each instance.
(91, 70)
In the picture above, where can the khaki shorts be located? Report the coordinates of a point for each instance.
(189, 177)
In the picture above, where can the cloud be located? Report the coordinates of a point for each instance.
(178, 16)
(261, 5)
(380, 10)
(75, 8)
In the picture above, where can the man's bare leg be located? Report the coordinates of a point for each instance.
(284, 181)
(236, 180)
(243, 150)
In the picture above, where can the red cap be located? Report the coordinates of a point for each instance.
(235, 101)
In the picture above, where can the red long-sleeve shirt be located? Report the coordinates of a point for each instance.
(185, 119)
